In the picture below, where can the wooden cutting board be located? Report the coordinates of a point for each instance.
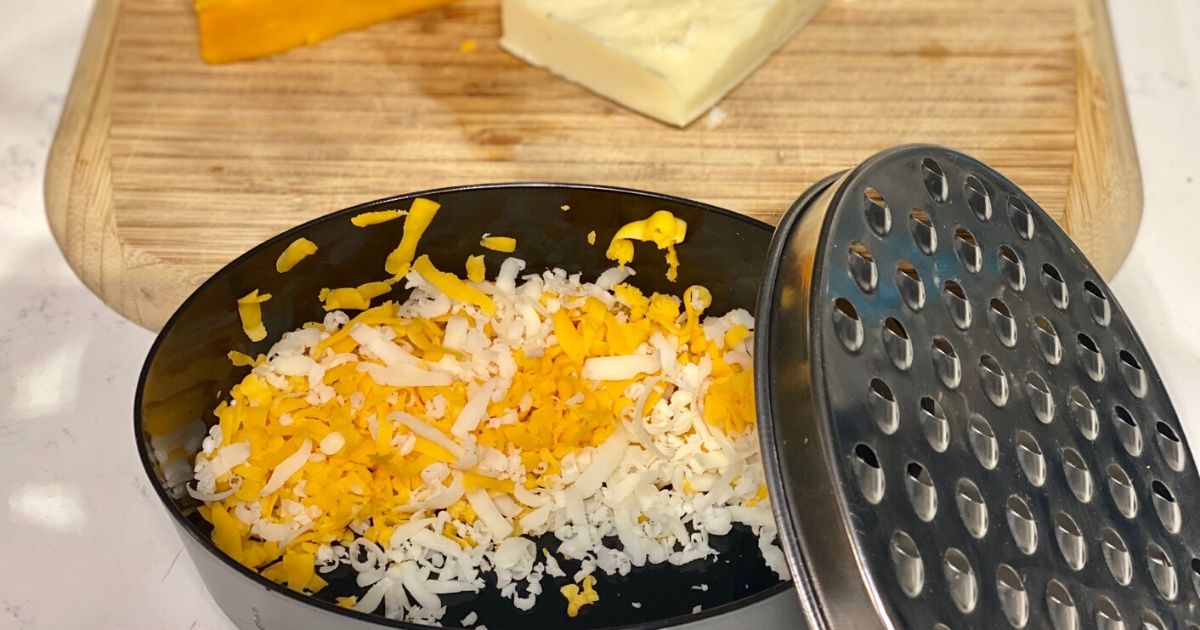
(164, 168)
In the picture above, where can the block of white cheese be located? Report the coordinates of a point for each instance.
(668, 59)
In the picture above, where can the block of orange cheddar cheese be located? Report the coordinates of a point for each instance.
(233, 30)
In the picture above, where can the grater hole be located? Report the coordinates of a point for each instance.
(909, 285)
(1097, 303)
(1012, 268)
(1055, 287)
(1121, 488)
(921, 492)
(1083, 412)
(1107, 615)
(1021, 524)
(1132, 372)
(846, 324)
(1116, 556)
(1151, 621)
(1079, 478)
(1170, 446)
(993, 379)
(1061, 606)
(1021, 217)
(1031, 459)
(1047, 340)
(946, 363)
(883, 406)
(968, 250)
(979, 197)
(1196, 574)
(935, 180)
(877, 212)
(862, 266)
(1090, 357)
(1002, 322)
(934, 424)
(960, 577)
(1070, 541)
(940, 626)
(1040, 398)
(869, 473)
(983, 441)
(906, 562)
(896, 342)
(957, 304)
(1166, 506)
(1014, 601)
(1162, 571)
(1128, 430)
(971, 507)
(923, 233)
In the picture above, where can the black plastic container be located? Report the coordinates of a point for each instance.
(187, 372)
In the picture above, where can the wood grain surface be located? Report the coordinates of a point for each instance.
(164, 168)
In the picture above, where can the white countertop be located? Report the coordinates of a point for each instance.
(86, 544)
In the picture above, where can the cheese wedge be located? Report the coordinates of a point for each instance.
(232, 30)
(668, 59)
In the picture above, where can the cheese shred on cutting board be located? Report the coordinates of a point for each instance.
(668, 59)
(233, 30)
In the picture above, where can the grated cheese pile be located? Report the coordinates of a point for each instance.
(427, 442)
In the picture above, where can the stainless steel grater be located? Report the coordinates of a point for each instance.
(960, 426)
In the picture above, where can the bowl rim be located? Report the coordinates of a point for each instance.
(185, 525)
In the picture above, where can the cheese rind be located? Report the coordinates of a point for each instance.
(668, 59)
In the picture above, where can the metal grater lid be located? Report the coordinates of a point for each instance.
(960, 427)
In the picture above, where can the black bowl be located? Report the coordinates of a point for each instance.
(187, 372)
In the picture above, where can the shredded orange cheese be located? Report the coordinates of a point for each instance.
(577, 598)
(453, 286)
(353, 298)
(250, 312)
(475, 268)
(298, 250)
(239, 359)
(505, 244)
(376, 217)
(661, 228)
(420, 215)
